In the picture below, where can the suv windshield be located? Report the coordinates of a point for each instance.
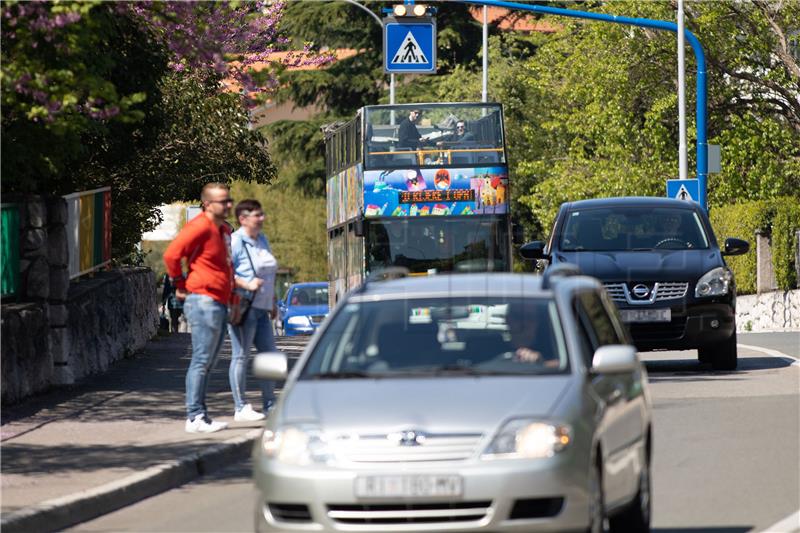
(309, 296)
(465, 244)
(632, 228)
(440, 337)
(433, 134)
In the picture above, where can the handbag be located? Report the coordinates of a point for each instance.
(240, 306)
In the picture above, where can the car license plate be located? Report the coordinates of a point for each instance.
(408, 486)
(646, 315)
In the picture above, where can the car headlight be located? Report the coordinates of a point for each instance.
(297, 445)
(528, 439)
(716, 282)
(299, 321)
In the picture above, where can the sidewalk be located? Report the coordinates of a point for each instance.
(116, 438)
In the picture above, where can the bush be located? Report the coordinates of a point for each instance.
(780, 218)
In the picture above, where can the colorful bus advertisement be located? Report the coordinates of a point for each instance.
(436, 192)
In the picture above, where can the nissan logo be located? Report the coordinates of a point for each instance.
(641, 291)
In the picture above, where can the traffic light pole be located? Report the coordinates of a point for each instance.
(702, 142)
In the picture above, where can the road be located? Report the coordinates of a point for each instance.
(727, 453)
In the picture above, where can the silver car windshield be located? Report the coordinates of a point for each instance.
(632, 228)
(440, 337)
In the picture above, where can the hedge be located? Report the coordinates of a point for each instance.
(780, 218)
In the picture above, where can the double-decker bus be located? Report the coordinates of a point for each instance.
(432, 197)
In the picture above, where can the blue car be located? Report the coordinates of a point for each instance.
(303, 309)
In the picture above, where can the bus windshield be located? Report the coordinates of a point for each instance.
(462, 244)
(433, 135)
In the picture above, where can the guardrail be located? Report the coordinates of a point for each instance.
(9, 250)
(88, 230)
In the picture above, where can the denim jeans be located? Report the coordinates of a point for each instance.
(255, 331)
(207, 319)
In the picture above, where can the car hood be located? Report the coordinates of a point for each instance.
(305, 310)
(440, 405)
(655, 265)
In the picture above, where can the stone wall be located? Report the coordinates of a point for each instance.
(27, 364)
(110, 316)
(55, 332)
(769, 311)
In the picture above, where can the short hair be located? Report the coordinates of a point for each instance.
(246, 206)
(213, 185)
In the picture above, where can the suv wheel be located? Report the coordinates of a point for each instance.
(723, 356)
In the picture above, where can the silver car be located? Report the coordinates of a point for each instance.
(492, 402)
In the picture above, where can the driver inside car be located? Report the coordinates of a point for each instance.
(670, 231)
(531, 339)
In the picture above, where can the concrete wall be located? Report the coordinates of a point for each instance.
(56, 332)
(769, 311)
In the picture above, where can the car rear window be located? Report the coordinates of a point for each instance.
(440, 337)
(632, 228)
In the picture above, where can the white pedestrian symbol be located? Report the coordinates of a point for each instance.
(683, 194)
(409, 52)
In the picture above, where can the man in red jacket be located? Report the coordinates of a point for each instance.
(205, 244)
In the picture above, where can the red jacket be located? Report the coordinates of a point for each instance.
(206, 248)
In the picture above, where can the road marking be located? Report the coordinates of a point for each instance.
(773, 353)
(790, 524)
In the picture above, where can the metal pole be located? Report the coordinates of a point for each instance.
(682, 170)
(485, 92)
(391, 88)
(694, 42)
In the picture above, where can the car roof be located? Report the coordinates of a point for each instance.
(311, 284)
(632, 201)
(443, 285)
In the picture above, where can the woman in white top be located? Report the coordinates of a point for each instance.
(254, 272)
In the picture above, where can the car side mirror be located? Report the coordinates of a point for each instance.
(533, 250)
(270, 365)
(735, 247)
(614, 359)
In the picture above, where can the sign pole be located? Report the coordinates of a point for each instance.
(682, 170)
(485, 92)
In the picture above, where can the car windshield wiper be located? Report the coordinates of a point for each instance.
(350, 374)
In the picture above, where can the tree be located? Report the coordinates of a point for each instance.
(128, 94)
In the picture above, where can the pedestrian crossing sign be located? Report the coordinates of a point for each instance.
(686, 190)
(409, 46)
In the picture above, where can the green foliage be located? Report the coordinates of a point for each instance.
(779, 218)
(295, 227)
(741, 221)
(785, 225)
(70, 90)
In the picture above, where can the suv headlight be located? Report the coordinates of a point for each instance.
(528, 439)
(296, 445)
(299, 321)
(716, 282)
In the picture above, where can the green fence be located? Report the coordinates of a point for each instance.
(9, 255)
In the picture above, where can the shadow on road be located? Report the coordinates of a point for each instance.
(693, 370)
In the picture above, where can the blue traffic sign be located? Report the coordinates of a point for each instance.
(688, 190)
(409, 47)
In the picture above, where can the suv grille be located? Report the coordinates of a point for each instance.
(665, 290)
(412, 513)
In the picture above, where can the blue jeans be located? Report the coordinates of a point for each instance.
(255, 331)
(207, 319)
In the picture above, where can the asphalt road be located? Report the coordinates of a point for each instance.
(727, 453)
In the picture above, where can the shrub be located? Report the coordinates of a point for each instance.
(780, 218)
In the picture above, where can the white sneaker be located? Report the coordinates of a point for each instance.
(246, 414)
(203, 424)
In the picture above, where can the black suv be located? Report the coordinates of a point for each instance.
(660, 263)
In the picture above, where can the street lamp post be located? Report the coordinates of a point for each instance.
(380, 22)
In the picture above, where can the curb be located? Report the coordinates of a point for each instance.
(66, 511)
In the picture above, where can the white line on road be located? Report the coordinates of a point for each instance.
(773, 353)
(790, 524)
